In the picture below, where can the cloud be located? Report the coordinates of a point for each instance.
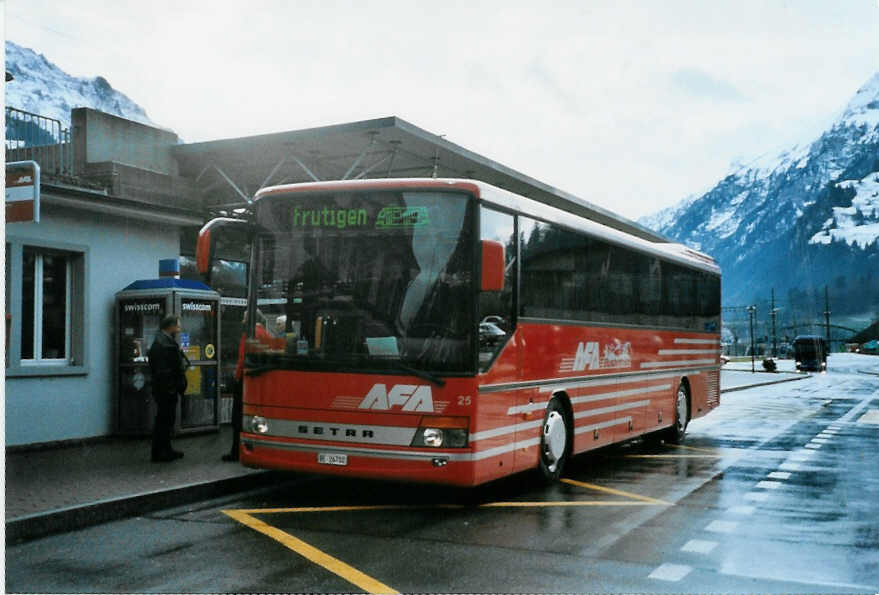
(699, 83)
(630, 104)
(554, 87)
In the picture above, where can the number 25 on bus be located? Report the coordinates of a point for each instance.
(450, 331)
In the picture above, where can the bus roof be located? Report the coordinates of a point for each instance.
(620, 234)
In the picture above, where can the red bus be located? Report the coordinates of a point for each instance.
(451, 331)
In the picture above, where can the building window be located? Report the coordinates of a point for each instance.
(46, 310)
(45, 323)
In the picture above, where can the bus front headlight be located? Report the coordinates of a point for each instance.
(437, 432)
(433, 437)
(259, 425)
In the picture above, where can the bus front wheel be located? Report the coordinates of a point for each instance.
(675, 434)
(555, 441)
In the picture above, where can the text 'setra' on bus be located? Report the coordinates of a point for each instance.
(449, 331)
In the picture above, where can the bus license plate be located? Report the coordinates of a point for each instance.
(332, 459)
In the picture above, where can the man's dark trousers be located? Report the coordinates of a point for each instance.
(166, 414)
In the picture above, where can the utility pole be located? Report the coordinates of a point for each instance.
(772, 313)
(827, 316)
(752, 310)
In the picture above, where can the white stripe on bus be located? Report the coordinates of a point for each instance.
(531, 425)
(603, 381)
(596, 382)
(397, 454)
(495, 432)
(504, 449)
(623, 407)
(554, 384)
(590, 398)
(690, 362)
(427, 455)
(686, 351)
(621, 393)
(698, 341)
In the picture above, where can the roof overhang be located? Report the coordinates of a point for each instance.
(229, 172)
(84, 200)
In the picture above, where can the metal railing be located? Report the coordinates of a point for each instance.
(39, 138)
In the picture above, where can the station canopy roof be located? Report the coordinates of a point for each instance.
(228, 172)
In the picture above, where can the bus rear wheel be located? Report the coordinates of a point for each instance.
(555, 441)
(675, 434)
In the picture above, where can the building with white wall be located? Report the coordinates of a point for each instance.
(62, 274)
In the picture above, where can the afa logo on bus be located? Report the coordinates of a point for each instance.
(616, 355)
(409, 397)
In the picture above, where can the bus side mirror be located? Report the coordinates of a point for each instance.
(203, 251)
(205, 247)
(492, 266)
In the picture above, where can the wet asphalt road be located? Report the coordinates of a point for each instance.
(776, 491)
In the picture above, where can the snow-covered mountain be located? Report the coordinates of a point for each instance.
(40, 87)
(856, 224)
(801, 220)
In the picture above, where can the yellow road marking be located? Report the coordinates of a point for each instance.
(333, 508)
(542, 504)
(371, 585)
(673, 456)
(709, 450)
(334, 565)
(562, 504)
(592, 486)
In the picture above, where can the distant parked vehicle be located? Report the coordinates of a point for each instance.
(494, 320)
(490, 333)
(810, 353)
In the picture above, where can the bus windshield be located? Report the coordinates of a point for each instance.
(809, 349)
(369, 281)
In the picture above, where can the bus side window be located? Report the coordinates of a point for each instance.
(496, 308)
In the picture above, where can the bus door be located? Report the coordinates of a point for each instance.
(499, 354)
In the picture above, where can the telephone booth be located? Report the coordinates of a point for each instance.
(139, 309)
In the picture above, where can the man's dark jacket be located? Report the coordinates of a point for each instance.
(167, 367)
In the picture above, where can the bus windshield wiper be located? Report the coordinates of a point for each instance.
(416, 372)
(282, 362)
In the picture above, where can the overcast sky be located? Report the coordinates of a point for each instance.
(630, 105)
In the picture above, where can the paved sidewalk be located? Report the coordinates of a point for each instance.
(739, 379)
(64, 488)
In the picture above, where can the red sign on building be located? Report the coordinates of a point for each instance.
(22, 192)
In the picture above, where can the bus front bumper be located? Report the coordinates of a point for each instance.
(395, 463)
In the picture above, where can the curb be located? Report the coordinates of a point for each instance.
(78, 517)
(747, 386)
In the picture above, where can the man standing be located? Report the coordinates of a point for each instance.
(168, 369)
